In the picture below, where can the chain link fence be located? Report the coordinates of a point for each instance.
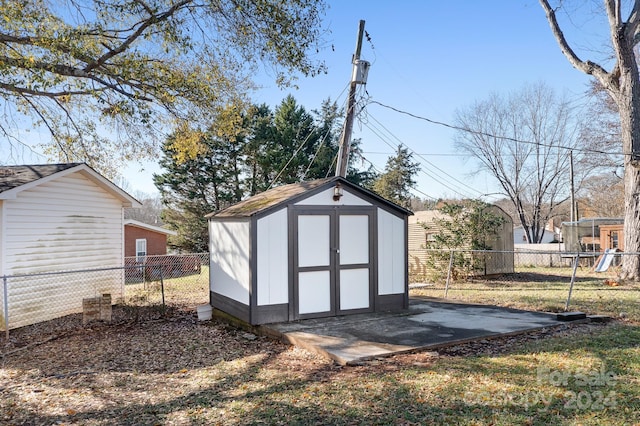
(177, 280)
(544, 280)
(169, 280)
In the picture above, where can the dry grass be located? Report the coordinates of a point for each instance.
(547, 289)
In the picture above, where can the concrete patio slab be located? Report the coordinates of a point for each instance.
(428, 324)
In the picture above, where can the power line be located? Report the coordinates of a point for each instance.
(314, 127)
(377, 170)
(462, 184)
(422, 169)
(375, 132)
(425, 154)
(479, 133)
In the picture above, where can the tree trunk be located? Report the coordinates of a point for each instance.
(630, 125)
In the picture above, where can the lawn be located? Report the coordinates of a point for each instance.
(546, 289)
(151, 370)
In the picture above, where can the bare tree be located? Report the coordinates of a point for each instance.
(604, 195)
(523, 140)
(623, 85)
(600, 131)
(151, 209)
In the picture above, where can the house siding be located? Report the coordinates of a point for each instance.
(65, 224)
(68, 223)
(156, 242)
(423, 224)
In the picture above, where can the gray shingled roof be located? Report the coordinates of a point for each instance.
(270, 198)
(15, 176)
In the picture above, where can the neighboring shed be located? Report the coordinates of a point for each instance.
(142, 239)
(313, 249)
(500, 262)
(58, 217)
(612, 237)
(586, 234)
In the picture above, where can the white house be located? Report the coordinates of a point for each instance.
(57, 217)
(312, 249)
(551, 233)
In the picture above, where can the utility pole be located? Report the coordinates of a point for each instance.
(574, 213)
(358, 76)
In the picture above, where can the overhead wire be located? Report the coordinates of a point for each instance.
(380, 133)
(382, 138)
(314, 127)
(432, 165)
(480, 133)
(435, 178)
(377, 170)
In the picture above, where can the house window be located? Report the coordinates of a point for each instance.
(141, 249)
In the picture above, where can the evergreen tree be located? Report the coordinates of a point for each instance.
(260, 134)
(294, 137)
(365, 178)
(398, 178)
(195, 186)
(325, 146)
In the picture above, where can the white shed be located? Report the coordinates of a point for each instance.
(312, 249)
(58, 217)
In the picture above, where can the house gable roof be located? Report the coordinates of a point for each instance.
(281, 195)
(15, 179)
(142, 225)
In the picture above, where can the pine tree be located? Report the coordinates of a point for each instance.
(398, 178)
(193, 187)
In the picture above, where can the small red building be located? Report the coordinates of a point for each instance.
(141, 239)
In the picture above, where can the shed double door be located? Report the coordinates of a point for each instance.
(333, 261)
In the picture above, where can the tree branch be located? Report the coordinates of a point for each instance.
(47, 94)
(68, 71)
(152, 20)
(587, 67)
(633, 24)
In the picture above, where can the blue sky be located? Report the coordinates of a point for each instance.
(430, 58)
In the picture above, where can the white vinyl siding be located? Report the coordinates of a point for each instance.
(325, 198)
(2, 237)
(273, 259)
(67, 223)
(391, 253)
(230, 244)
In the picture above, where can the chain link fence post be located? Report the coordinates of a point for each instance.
(576, 261)
(446, 286)
(5, 299)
